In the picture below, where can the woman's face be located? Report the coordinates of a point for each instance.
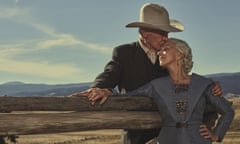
(168, 54)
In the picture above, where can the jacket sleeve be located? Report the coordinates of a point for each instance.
(109, 78)
(225, 110)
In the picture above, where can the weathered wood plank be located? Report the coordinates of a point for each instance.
(20, 123)
(39, 123)
(8, 104)
(116, 113)
(123, 103)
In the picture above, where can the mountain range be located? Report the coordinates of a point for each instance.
(230, 83)
(27, 89)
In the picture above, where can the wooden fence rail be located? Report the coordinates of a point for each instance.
(123, 103)
(38, 115)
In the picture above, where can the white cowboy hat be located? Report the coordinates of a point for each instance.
(154, 16)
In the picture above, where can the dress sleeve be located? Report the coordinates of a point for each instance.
(225, 110)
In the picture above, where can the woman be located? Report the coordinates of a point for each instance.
(182, 98)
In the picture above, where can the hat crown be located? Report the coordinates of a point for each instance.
(156, 17)
(154, 14)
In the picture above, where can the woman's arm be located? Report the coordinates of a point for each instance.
(224, 108)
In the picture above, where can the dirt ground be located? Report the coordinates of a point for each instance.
(94, 137)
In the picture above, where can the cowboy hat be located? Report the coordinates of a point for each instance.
(156, 17)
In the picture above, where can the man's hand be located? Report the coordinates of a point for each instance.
(217, 90)
(95, 94)
(207, 134)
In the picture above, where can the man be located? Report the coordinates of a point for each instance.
(135, 64)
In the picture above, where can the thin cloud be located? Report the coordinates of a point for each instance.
(50, 39)
(60, 39)
(96, 47)
(9, 13)
(7, 50)
(39, 69)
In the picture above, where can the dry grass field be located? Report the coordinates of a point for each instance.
(94, 137)
(84, 137)
(113, 136)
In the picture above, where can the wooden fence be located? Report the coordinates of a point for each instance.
(36, 115)
(41, 115)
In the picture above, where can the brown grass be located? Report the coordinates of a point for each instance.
(84, 137)
(95, 137)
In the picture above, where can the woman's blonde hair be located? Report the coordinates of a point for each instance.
(184, 49)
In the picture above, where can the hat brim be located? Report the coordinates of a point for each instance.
(175, 26)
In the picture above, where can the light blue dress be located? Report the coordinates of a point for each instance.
(182, 113)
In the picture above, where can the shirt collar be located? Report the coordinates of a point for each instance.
(143, 46)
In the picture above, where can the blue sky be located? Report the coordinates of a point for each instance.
(70, 41)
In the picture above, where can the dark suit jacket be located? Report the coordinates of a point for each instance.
(128, 69)
(198, 96)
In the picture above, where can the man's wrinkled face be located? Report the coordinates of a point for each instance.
(155, 39)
